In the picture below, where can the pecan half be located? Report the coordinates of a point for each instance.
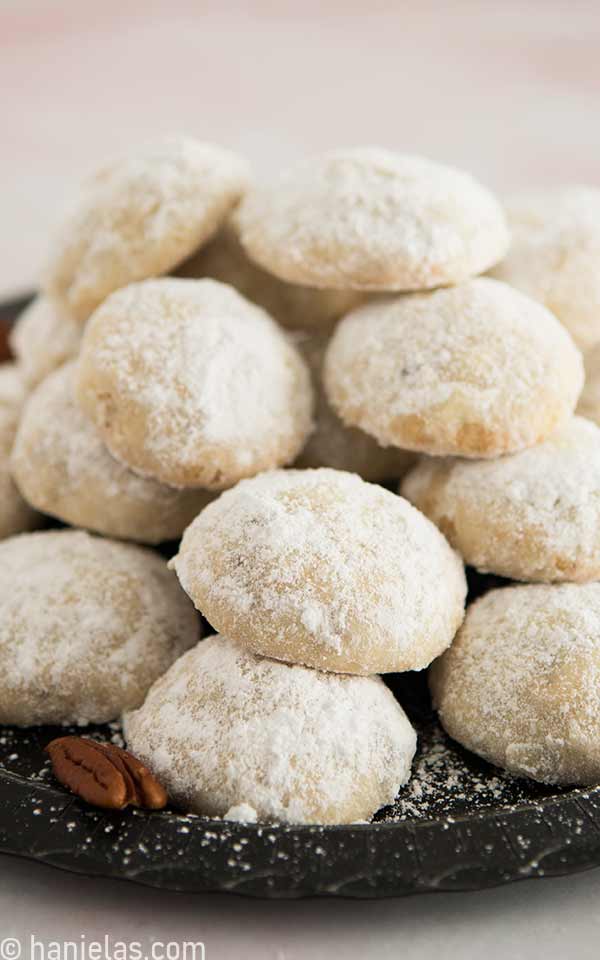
(104, 774)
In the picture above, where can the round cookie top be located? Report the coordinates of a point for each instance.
(191, 384)
(589, 401)
(86, 626)
(224, 728)
(331, 443)
(369, 219)
(534, 515)
(293, 306)
(476, 370)
(327, 570)
(42, 339)
(63, 469)
(520, 685)
(554, 255)
(141, 215)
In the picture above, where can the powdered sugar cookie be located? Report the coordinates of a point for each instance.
(589, 401)
(293, 306)
(140, 216)
(224, 729)
(193, 385)
(520, 684)
(331, 444)
(320, 568)
(86, 626)
(16, 515)
(369, 219)
(42, 339)
(13, 391)
(62, 468)
(554, 256)
(534, 515)
(476, 370)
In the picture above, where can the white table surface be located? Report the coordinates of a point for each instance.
(551, 918)
(508, 89)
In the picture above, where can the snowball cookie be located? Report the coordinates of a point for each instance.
(589, 401)
(368, 219)
(520, 685)
(223, 728)
(193, 385)
(476, 370)
(13, 391)
(319, 567)
(555, 256)
(86, 627)
(140, 216)
(293, 306)
(62, 467)
(42, 339)
(331, 444)
(534, 515)
(15, 514)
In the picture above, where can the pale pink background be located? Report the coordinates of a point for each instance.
(508, 89)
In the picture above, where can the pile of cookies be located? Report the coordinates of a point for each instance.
(239, 367)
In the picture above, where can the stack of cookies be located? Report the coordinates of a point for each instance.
(197, 335)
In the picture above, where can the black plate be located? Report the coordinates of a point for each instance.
(459, 825)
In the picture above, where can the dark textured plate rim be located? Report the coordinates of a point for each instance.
(442, 863)
(147, 884)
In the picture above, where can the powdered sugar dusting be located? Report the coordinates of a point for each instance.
(12, 389)
(369, 219)
(192, 384)
(332, 444)
(446, 782)
(477, 358)
(241, 813)
(225, 728)
(87, 625)
(329, 571)
(62, 466)
(521, 683)
(531, 516)
(292, 305)
(43, 337)
(554, 255)
(139, 216)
